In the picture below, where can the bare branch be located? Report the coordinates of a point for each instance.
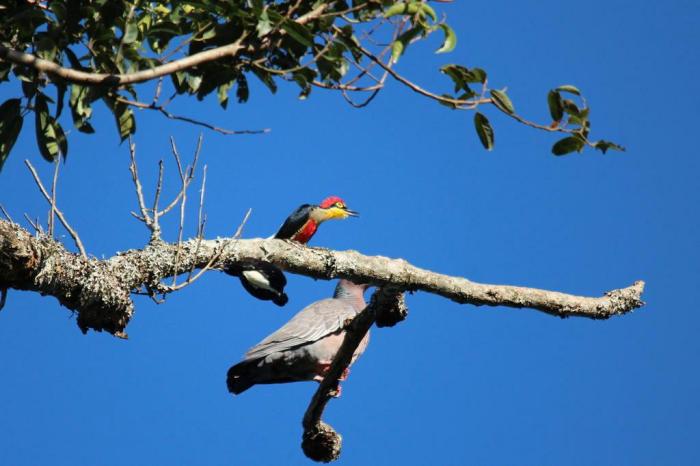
(161, 109)
(5, 213)
(59, 214)
(156, 198)
(186, 177)
(200, 219)
(133, 169)
(207, 266)
(52, 211)
(35, 225)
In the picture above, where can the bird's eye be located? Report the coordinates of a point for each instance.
(339, 205)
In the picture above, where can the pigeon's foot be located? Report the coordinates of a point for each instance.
(336, 393)
(323, 368)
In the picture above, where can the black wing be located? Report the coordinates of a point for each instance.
(294, 222)
(262, 280)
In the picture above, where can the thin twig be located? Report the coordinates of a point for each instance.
(156, 197)
(6, 214)
(161, 109)
(36, 226)
(156, 95)
(137, 184)
(53, 198)
(215, 257)
(186, 176)
(200, 219)
(59, 214)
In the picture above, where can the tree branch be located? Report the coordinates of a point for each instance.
(99, 290)
(94, 79)
(320, 441)
(52, 202)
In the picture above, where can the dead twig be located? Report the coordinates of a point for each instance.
(52, 212)
(35, 225)
(6, 214)
(215, 257)
(171, 116)
(59, 214)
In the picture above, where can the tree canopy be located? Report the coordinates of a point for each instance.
(79, 53)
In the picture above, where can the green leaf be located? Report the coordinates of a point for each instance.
(396, 50)
(61, 88)
(428, 10)
(603, 146)
(45, 46)
(303, 78)
(502, 101)
(266, 78)
(567, 145)
(570, 107)
(131, 31)
(402, 8)
(556, 108)
(193, 83)
(222, 93)
(450, 39)
(10, 126)
(123, 116)
(264, 25)
(299, 32)
(242, 91)
(461, 76)
(484, 130)
(179, 80)
(401, 42)
(569, 88)
(49, 135)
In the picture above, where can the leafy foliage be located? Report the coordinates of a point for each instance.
(311, 43)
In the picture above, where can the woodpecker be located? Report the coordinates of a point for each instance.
(303, 348)
(266, 281)
(302, 224)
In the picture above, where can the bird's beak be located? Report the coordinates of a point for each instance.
(351, 213)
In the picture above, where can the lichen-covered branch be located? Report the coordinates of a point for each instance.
(99, 289)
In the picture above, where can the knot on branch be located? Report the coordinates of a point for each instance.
(322, 443)
(391, 308)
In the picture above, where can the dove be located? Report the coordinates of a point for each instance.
(303, 348)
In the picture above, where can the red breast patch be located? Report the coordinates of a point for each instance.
(306, 232)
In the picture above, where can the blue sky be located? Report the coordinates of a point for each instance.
(452, 384)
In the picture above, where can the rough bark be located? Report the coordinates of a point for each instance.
(100, 290)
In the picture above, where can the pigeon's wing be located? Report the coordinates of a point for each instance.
(311, 324)
(294, 222)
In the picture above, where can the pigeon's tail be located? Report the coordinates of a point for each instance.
(239, 378)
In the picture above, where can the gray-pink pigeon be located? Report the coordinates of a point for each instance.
(303, 348)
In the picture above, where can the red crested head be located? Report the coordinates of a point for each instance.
(331, 201)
